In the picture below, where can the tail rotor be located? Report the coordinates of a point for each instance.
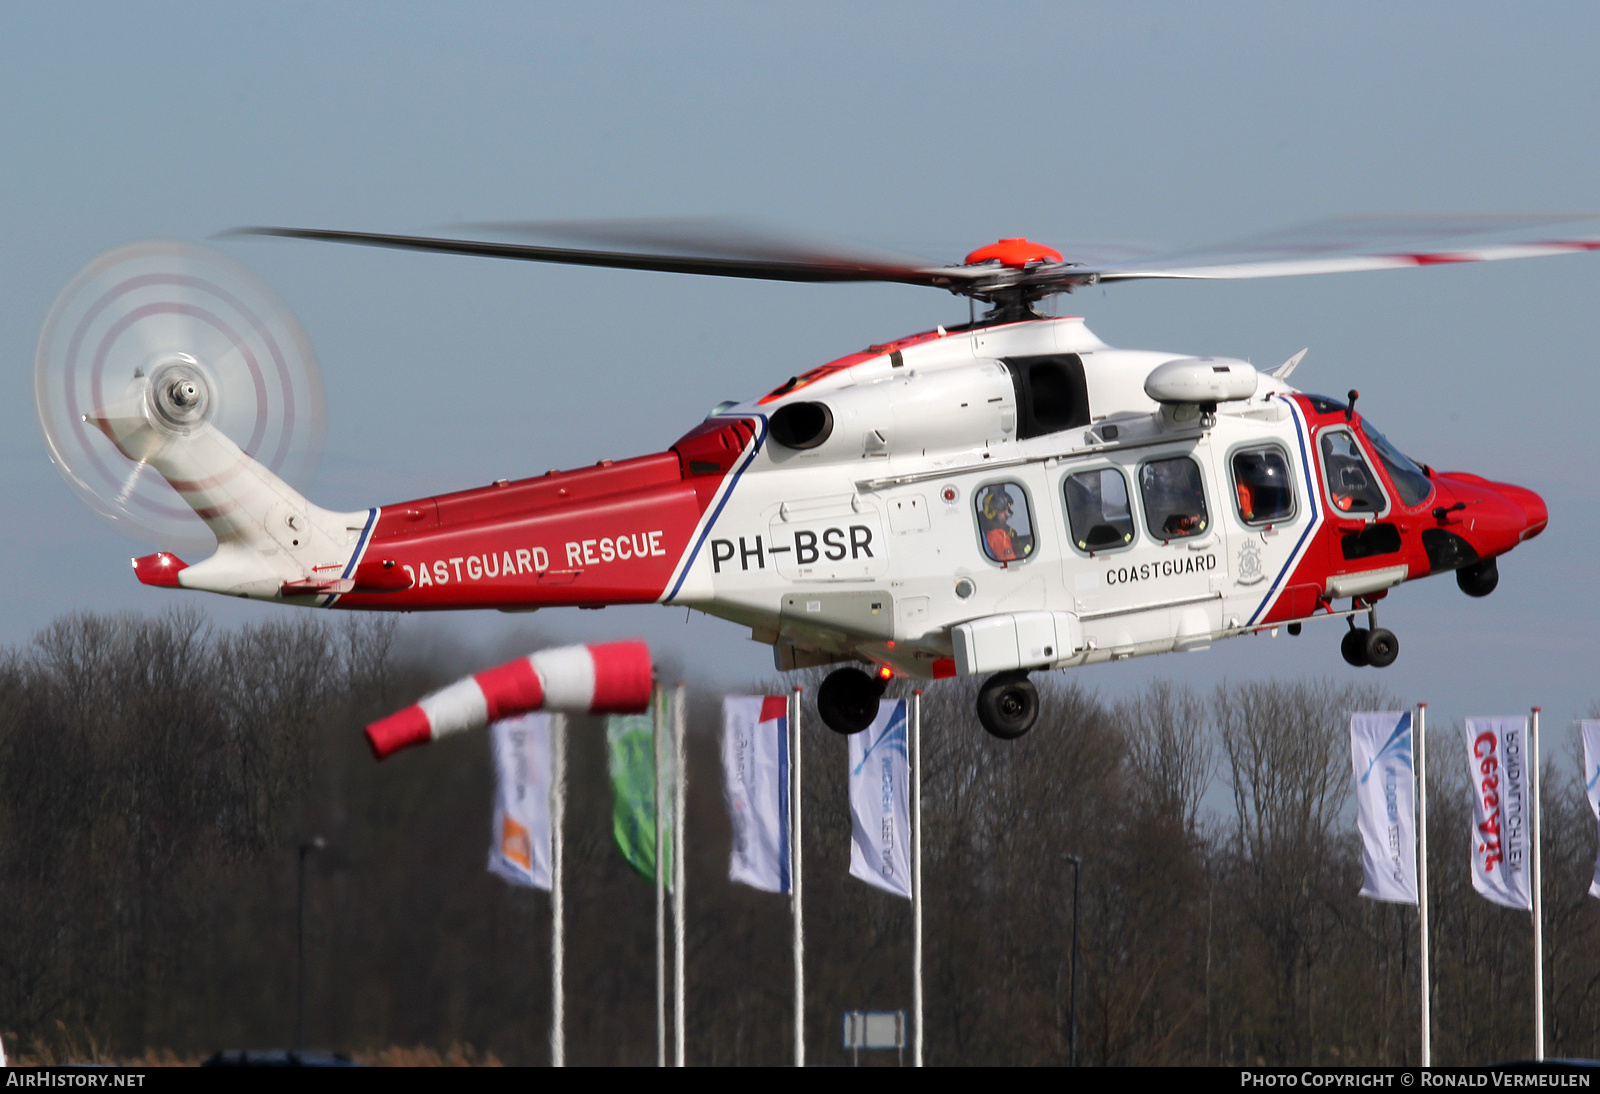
(212, 343)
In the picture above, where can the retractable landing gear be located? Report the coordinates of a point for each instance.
(1478, 579)
(1008, 704)
(848, 700)
(1376, 647)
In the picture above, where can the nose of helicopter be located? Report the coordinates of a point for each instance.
(1536, 515)
(1497, 515)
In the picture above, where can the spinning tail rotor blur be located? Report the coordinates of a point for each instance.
(228, 348)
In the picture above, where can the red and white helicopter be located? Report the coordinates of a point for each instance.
(992, 499)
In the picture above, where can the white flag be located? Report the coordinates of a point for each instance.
(755, 764)
(520, 852)
(1380, 752)
(1591, 779)
(880, 801)
(1497, 762)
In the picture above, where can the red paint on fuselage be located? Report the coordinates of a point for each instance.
(609, 534)
(1490, 517)
(811, 376)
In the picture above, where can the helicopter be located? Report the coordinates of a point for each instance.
(992, 499)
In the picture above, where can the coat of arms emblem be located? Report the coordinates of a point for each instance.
(1249, 570)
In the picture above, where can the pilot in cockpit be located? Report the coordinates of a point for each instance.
(1350, 480)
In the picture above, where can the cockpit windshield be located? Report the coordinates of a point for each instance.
(1409, 479)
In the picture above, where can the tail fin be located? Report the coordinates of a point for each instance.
(271, 542)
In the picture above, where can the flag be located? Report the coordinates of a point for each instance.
(880, 796)
(1591, 780)
(520, 852)
(1380, 753)
(1497, 761)
(631, 741)
(755, 765)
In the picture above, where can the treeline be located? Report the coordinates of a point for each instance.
(158, 777)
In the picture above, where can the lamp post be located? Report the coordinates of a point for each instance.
(315, 843)
(1072, 992)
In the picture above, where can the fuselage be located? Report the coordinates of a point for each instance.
(866, 508)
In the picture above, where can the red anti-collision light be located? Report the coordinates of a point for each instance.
(885, 672)
(160, 569)
(1016, 253)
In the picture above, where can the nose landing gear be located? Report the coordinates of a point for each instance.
(1008, 704)
(1479, 579)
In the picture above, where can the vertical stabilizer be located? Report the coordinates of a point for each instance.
(268, 535)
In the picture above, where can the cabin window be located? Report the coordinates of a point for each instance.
(1005, 526)
(1410, 481)
(1174, 498)
(1262, 486)
(1098, 512)
(1352, 487)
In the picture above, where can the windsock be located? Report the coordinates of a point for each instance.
(610, 678)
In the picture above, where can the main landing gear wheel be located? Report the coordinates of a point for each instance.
(1353, 648)
(1008, 704)
(1382, 648)
(848, 700)
(1377, 647)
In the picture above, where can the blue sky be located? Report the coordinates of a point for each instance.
(928, 127)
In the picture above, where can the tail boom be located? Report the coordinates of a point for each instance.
(615, 533)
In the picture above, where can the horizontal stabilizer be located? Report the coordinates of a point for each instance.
(373, 576)
(316, 586)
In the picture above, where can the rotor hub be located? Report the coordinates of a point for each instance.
(181, 392)
(1014, 253)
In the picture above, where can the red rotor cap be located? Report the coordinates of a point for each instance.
(1014, 252)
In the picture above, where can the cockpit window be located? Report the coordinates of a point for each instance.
(1262, 486)
(1097, 509)
(1174, 498)
(1352, 486)
(1409, 479)
(1004, 522)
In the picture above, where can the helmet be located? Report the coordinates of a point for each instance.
(996, 500)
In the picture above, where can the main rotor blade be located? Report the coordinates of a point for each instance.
(1374, 242)
(793, 268)
(726, 238)
(706, 237)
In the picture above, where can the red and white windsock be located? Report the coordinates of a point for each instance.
(610, 678)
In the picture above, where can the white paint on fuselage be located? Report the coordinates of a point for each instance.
(926, 436)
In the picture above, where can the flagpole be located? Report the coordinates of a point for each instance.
(656, 735)
(916, 877)
(558, 812)
(796, 829)
(680, 784)
(1538, 919)
(1422, 878)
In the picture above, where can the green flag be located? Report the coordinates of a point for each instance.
(631, 742)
